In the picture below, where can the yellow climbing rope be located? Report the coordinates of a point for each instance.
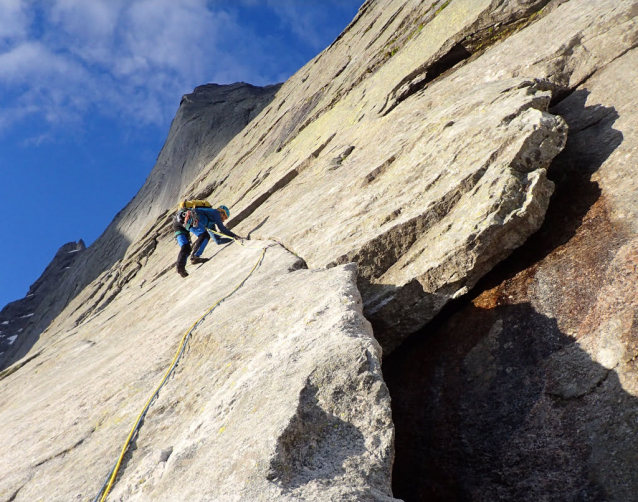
(106, 487)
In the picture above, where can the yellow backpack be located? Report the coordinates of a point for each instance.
(187, 204)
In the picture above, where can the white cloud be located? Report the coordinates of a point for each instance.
(86, 19)
(133, 59)
(37, 81)
(13, 20)
(300, 18)
(127, 58)
(172, 36)
(33, 63)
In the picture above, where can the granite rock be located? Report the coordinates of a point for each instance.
(425, 188)
(528, 392)
(429, 143)
(279, 395)
(205, 121)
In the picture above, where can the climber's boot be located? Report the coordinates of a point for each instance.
(181, 270)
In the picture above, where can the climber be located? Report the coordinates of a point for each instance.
(199, 218)
(209, 219)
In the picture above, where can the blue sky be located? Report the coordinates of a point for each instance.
(88, 89)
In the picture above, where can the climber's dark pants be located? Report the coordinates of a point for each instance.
(200, 243)
(184, 250)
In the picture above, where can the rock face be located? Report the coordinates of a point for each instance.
(17, 318)
(429, 143)
(278, 397)
(205, 121)
(528, 392)
(442, 183)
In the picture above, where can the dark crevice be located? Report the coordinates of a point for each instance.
(254, 185)
(14, 495)
(259, 179)
(124, 274)
(454, 56)
(163, 272)
(126, 271)
(336, 162)
(91, 309)
(341, 70)
(468, 381)
(468, 47)
(254, 205)
(378, 171)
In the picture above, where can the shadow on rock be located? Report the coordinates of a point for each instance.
(258, 226)
(493, 400)
(591, 140)
(314, 445)
(498, 404)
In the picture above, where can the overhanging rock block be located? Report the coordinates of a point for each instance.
(438, 192)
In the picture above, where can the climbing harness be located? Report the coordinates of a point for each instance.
(190, 219)
(108, 483)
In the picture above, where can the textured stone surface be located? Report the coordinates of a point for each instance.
(423, 145)
(384, 148)
(206, 120)
(278, 397)
(529, 392)
(425, 191)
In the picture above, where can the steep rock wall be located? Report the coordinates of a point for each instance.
(415, 112)
(424, 145)
(279, 395)
(528, 392)
(442, 181)
(206, 120)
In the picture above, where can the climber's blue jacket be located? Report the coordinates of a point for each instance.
(211, 219)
